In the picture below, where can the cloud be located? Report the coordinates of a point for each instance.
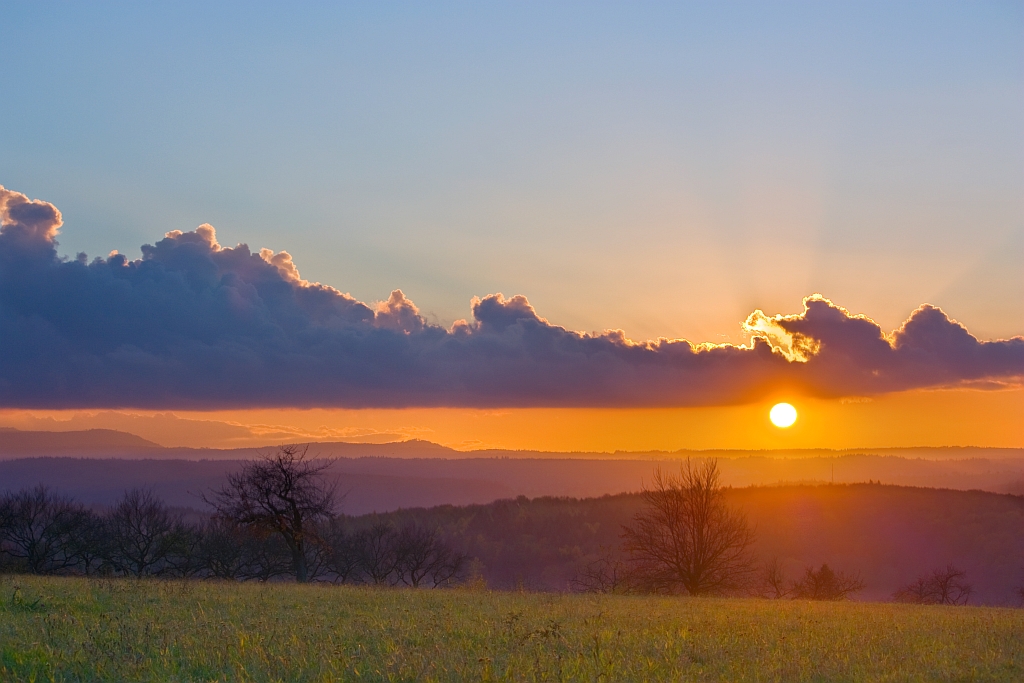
(398, 314)
(194, 324)
(27, 221)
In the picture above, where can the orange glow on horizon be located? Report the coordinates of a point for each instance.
(963, 417)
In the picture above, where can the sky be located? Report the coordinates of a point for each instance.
(665, 170)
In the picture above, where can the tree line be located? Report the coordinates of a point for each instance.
(275, 519)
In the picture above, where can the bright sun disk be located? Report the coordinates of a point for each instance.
(782, 415)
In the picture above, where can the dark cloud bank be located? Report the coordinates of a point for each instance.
(192, 324)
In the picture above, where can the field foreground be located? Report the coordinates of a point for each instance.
(63, 629)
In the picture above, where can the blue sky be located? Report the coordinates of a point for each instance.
(661, 168)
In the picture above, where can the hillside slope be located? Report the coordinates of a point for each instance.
(888, 534)
(107, 442)
(388, 483)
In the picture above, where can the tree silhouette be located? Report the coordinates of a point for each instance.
(943, 587)
(282, 493)
(771, 581)
(423, 556)
(826, 584)
(43, 531)
(142, 535)
(687, 539)
(376, 549)
(606, 573)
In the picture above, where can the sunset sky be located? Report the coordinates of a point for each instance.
(826, 203)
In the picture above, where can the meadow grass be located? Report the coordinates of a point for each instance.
(70, 629)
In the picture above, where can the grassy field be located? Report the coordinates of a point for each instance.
(62, 629)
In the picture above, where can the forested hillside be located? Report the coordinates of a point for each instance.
(888, 534)
(387, 483)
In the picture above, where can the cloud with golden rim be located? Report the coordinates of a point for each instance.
(193, 324)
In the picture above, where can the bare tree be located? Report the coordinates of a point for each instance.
(223, 550)
(282, 493)
(424, 556)
(90, 543)
(771, 581)
(826, 584)
(41, 530)
(229, 551)
(687, 539)
(448, 568)
(142, 535)
(377, 553)
(943, 587)
(185, 560)
(269, 555)
(605, 573)
(342, 560)
(416, 551)
(319, 553)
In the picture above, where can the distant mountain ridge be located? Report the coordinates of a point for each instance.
(98, 465)
(99, 442)
(379, 483)
(17, 442)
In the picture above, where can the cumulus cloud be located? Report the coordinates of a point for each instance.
(398, 314)
(28, 222)
(194, 324)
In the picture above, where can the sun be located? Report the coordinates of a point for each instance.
(782, 415)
